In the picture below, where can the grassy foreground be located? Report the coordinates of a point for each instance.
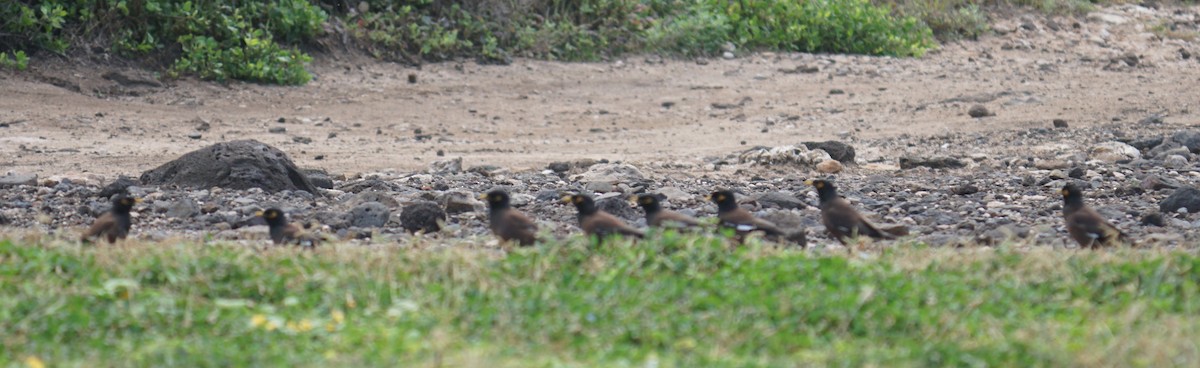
(668, 302)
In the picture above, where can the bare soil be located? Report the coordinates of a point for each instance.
(77, 118)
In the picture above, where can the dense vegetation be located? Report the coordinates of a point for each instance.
(669, 301)
(270, 41)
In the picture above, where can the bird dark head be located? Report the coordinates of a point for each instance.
(724, 199)
(122, 203)
(582, 202)
(649, 202)
(274, 216)
(826, 191)
(1072, 194)
(496, 199)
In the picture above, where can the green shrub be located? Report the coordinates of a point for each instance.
(847, 26)
(19, 61)
(210, 39)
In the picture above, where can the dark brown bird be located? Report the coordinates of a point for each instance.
(841, 221)
(115, 223)
(737, 218)
(593, 221)
(1085, 224)
(283, 232)
(506, 222)
(656, 216)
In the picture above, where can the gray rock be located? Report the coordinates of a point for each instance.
(1155, 182)
(611, 173)
(979, 111)
(319, 178)
(839, 151)
(1175, 162)
(520, 199)
(912, 162)
(446, 167)
(461, 202)
(599, 187)
(674, 193)
(1146, 144)
(1189, 139)
(367, 197)
(559, 167)
(1153, 219)
(964, 189)
(370, 214)
(240, 164)
(422, 216)
(548, 195)
(1060, 123)
(619, 207)
(121, 185)
(1185, 197)
(182, 208)
(12, 180)
(780, 200)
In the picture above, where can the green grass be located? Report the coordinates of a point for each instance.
(672, 301)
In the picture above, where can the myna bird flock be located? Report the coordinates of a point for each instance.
(841, 221)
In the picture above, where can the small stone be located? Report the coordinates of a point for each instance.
(673, 193)
(1175, 162)
(370, 214)
(301, 140)
(183, 208)
(618, 206)
(1060, 123)
(964, 189)
(599, 187)
(422, 216)
(1076, 173)
(1050, 164)
(460, 202)
(1114, 152)
(829, 167)
(1186, 198)
(1153, 219)
(842, 152)
(727, 55)
(979, 111)
(194, 136)
(911, 162)
(995, 204)
(780, 200)
(277, 130)
(12, 180)
(837, 91)
(319, 178)
(559, 167)
(412, 79)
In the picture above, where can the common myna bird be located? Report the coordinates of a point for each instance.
(283, 232)
(1085, 224)
(506, 222)
(593, 221)
(115, 223)
(656, 216)
(841, 221)
(735, 217)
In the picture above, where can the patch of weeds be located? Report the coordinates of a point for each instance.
(18, 61)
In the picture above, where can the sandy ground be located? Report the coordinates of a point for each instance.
(75, 118)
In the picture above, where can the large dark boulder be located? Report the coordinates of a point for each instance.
(839, 151)
(240, 164)
(1185, 197)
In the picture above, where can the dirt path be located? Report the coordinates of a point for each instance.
(364, 116)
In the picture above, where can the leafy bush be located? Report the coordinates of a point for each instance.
(210, 39)
(19, 61)
(845, 26)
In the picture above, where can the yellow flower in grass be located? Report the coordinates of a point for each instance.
(304, 326)
(258, 320)
(338, 316)
(34, 362)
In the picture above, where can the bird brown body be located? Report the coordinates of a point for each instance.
(593, 221)
(115, 223)
(508, 223)
(735, 217)
(656, 216)
(841, 220)
(1085, 225)
(283, 232)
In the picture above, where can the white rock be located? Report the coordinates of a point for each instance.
(1107, 18)
(1114, 152)
(1175, 162)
